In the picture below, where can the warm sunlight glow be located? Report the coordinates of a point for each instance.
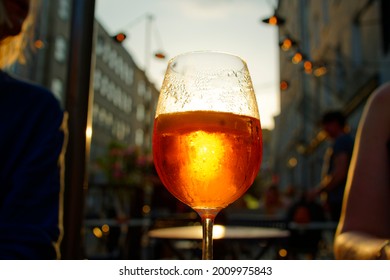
(206, 18)
(206, 153)
(219, 231)
(88, 132)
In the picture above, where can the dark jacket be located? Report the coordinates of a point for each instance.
(31, 146)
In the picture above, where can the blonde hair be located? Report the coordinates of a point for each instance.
(13, 48)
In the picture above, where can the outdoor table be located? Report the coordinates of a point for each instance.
(313, 226)
(267, 236)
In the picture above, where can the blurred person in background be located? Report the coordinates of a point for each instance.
(364, 228)
(32, 141)
(336, 163)
(303, 241)
(273, 204)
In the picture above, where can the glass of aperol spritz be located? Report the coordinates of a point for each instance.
(207, 141)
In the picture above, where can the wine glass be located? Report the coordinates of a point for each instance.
(207, 141)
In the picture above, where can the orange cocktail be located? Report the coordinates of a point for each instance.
(207, 159)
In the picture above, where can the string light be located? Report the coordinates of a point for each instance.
(284, 85)
(274, 20)
(308, 67)
(287, 44)
(320, 71)
(120, 37)
(297, 58)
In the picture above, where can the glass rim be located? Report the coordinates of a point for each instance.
(212, 64)
(228, 54)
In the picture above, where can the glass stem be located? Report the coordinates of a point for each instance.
(207, 243)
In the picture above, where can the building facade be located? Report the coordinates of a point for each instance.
(124, 99)
(333, 54)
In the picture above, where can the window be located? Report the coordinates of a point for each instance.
(112, 59)
(110, 91)
(139, 137)
(102, 116)
(148, 94)
(325, 11)
(128, 104)
(60, 49)
(64, 9)
(106, 53)
(109, 119)
(356, 45)
(118, 65)
(95, 112)
(120, 130)
(141, 88)
(128, 74)
(99, 46)
(116, 91)
(340, 71)
(57, 87)
(104, 86)
(140, 112)
(97, 79)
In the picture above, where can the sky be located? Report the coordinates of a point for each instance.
(179, 26)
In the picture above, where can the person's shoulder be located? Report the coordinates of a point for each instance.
(348, 137)
(345, 138)
(381, 96)
(27, 87)
(344, 144)
(29, 92)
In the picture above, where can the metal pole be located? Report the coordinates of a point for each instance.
(79, 98)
